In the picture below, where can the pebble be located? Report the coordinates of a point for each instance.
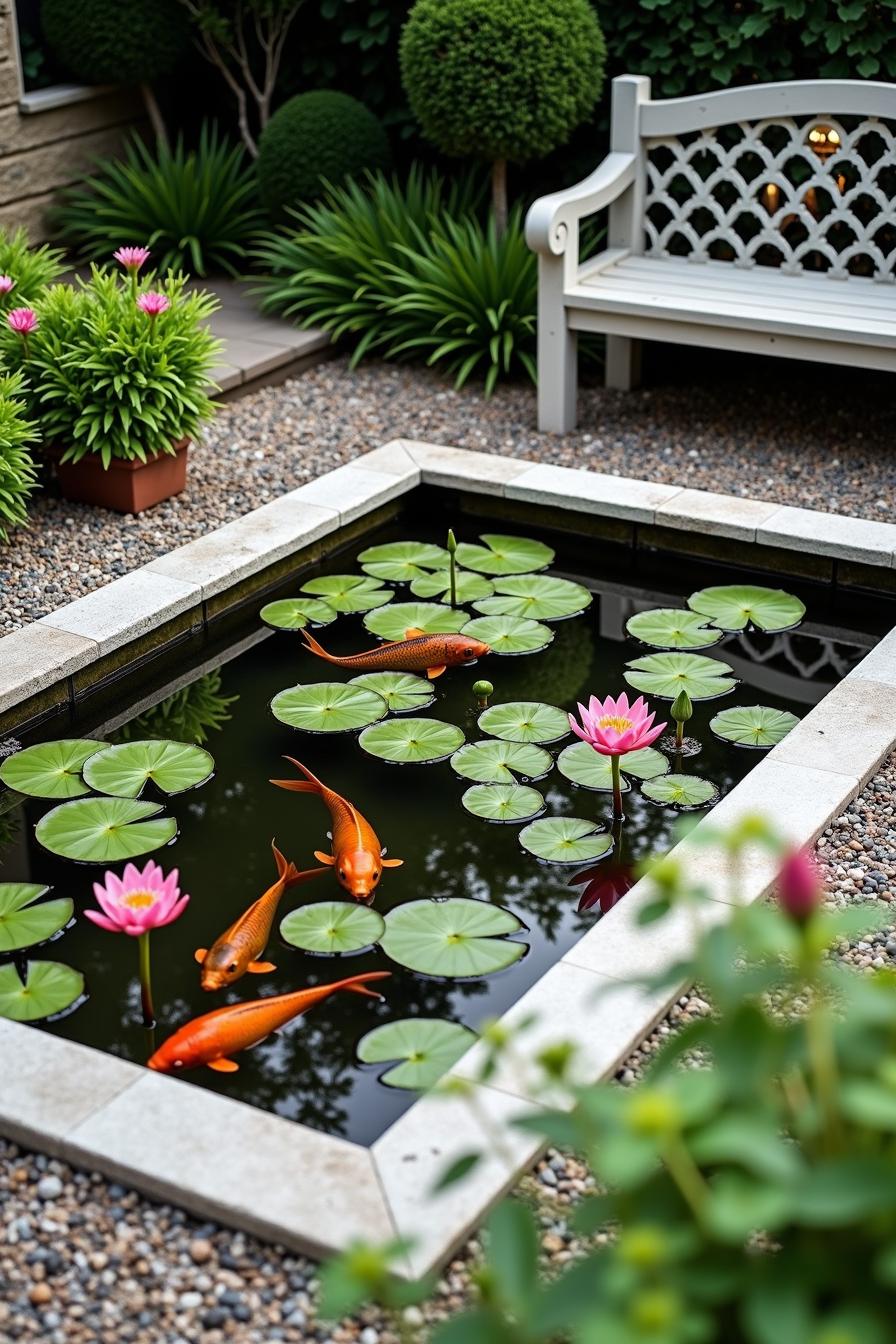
(49, 1187)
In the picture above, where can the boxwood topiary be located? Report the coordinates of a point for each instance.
(109, 42)
(316, 137)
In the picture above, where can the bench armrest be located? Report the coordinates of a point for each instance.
(549, 218)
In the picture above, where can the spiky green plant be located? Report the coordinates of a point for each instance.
(17, 471)
(31, 269)
(187, 715)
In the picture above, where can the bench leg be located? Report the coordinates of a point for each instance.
(623, 366)
(557, 353)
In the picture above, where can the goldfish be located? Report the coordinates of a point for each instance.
(239, 947)
(417, 652)
(357, 855)
(214, 1037)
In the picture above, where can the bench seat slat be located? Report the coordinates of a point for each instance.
(764, 279)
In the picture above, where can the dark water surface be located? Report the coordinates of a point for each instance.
(308, 1071)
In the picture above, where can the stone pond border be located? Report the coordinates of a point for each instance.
(226, 1160)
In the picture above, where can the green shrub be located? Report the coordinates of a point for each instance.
(31, 269)
(107, 378)
(187, 715)
(317, 138)
(110, 42)
(17, 470)
(194, 208)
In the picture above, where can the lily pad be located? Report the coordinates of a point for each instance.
(332, 926)
(500, 554)
(349, 592)
(402, 561)
(173, 767)
(427, 1047)
(735, 606)
(672, 628)
(753, 725)
(565, 840)
(104, 830)
(25, 924)
(50, 987)
(402, 691)
(665, 674)
(503, 802)
(583, 765)
(456, 937)
(294, 613)
(537, 596)
(412, 741)
(525, 721)
(51, 769)
(683, 792)
(431, 617)
(468, 586)
(328, 707)
(494, 761)
(510, 634)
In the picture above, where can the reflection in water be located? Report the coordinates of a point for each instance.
(189, 715)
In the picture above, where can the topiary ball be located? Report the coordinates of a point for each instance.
(110, 42)
(502, 79)
(316, 137)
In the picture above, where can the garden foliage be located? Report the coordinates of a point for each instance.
(31, 269)
(107, 42)
(17, 471)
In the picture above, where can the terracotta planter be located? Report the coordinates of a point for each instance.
(126, 487)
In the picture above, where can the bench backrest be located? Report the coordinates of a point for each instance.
(799, 176)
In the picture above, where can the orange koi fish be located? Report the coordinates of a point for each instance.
(239, 947)
(357, 855)
(214, 1037)
(417, 652)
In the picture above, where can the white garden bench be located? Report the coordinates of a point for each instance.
(760, 219)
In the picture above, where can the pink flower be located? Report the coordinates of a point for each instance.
(6, 284)
(152, 304)
(799, 885)
(613, 727)
(137, 902)
(131, 258)
(22, 320)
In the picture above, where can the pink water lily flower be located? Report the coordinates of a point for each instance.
(132, 258)
(6, 284)
(152, 303)
(137, 901)
(614, 727)
(22, 320)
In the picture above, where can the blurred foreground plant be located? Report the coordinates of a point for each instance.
(749, 1182)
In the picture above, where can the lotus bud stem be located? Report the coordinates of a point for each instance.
(682, 710)
(452, 567)
(482, 690)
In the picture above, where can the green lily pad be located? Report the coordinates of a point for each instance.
(332, 926)
(665, 674)
(294, 613)
(537, 596)
(503, 802)
(456, 937)
(51, 769)
(349, 592)
(672, 628)
(510, 634)
(500, 554)
(104, 830)
(468, 586)
(328, 707)
(565, 840)
(431, 617)
(495, 761)
(24, 924)
(402, 561)
(525, 721)
(753, 725)
(173, 767)
(412, 741)
(402, 691)
(735, 606)
(589, 768)
(50, 987)
(683, 792)
(427, 1047)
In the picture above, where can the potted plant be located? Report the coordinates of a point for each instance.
(119, 378)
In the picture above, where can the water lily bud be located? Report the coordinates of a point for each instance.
(799, 885)
(451, 543)
(482, 688)
(682, 708)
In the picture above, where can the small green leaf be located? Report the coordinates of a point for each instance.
(683, 792)
(402, 691)
(497, 762)
(666, 674)
(503, 802)
(469, 587)
(328, 707)
(412, 741)
(501, 554)
(566, 840)
(428, 1046)
(50, 769)
(25, 924)
(50, 987)
(737, 606)
(510, 634)
(672, 628)
(332, 927)
(104, 830)
(583, 765)
(124, 770)
(294, 613)
(756, 726)
(452, 938)
(349, 592)
(525, 721)
(394, 622)
(538, 597)
(402, 561)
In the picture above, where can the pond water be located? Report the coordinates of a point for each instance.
(308, 1071)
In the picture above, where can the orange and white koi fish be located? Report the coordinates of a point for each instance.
(214, 1037)
(239, 947)
(357, 854)
(417, 652)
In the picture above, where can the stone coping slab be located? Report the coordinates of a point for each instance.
(318, 1193)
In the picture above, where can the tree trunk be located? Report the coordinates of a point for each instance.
(154, 112)
(499, 195)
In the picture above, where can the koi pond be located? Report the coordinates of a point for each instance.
(511, 839)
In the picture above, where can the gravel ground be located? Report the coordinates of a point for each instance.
(777, 431)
